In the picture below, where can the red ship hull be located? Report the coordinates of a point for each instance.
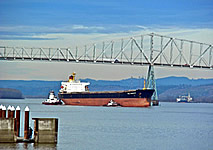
(124, 102)
(130, 98)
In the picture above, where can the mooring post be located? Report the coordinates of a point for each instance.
(9, 111)
(26, 123)
(1, 110)
(18, 116)
(12, 113)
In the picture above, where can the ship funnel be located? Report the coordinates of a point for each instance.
(72, 77)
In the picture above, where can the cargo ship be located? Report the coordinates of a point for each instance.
(184, 99)
(75, 92)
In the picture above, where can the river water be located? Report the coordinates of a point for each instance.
(171, 126)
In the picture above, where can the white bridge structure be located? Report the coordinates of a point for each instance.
(148, 49)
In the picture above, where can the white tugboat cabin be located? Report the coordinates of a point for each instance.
(52, 99)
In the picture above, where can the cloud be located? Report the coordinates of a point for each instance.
(24, 38)
(75, 29)
(74, 35)
(41, 32)
(49, 29)
(82, 27)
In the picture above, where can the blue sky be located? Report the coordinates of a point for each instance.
(62, 23)
(49, 20)
(96, 12)
(109, 16)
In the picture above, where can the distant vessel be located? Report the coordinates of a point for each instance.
(184, 99)
(74, 92)
(52, 99)
(112, 103)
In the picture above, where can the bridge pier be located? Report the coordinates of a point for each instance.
(151, 83)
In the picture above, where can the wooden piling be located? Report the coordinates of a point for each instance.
(12, 113)
(3, 112)
(26, 123)
(9, 111)
(18, 116)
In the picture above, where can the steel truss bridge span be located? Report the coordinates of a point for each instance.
(148, 49)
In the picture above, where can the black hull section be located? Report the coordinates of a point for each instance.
(147, 93)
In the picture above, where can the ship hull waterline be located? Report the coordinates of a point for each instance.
(56, 103)
(123, 102)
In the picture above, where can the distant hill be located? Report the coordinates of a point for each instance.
(183, 80)
(34, 88)
(134, 83)
(202, 93)
(7, 93)
(168, 88)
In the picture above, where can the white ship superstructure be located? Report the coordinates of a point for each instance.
(73, 85)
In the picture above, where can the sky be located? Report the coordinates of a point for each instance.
(64, 23)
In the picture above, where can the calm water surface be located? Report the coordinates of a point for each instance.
(171, 126)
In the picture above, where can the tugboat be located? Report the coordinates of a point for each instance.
(112, 103)
(52, 100)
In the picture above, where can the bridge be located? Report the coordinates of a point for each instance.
(148, 49)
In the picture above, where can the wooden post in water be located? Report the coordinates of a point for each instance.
(9, 111)
(26, 123)
(18, 116)
(12, 113)
(3, 112)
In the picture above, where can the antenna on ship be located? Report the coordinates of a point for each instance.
(131, 82)
(139, 83)
(144, 83)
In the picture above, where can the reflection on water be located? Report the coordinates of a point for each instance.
(45, 146)
(9, 146)
(27, 146)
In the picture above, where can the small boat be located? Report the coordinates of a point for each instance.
(184, 99)
(112, 103)
(52, 100)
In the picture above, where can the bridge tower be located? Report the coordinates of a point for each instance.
(151, 82)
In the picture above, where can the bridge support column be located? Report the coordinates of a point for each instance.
(151, 83)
